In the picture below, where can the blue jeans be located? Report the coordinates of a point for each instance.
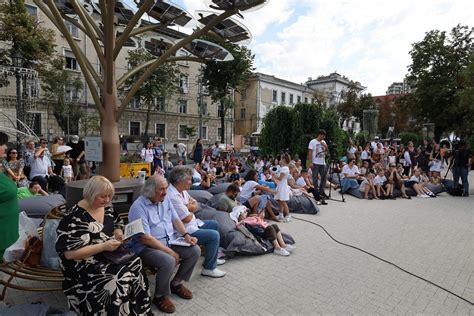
(208, 235)
(461, 172)
(348, 183)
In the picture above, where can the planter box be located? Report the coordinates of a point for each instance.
(131, 169)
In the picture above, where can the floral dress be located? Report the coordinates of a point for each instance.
(15, 166)
(93, 286)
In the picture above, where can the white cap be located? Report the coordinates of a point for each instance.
(75, 139)
(236, 212)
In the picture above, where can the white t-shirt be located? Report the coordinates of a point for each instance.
(247, 189)
(364, 155)
(300, 182)
(380, 180)
(347, 171)
(180, 202)
(67, 171)
(318, 152)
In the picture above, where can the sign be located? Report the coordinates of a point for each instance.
(94, 149)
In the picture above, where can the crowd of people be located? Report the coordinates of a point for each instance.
(172, 234)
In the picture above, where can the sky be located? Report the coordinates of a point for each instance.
(366, 40)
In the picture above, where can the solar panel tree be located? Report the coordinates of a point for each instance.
(112, 25)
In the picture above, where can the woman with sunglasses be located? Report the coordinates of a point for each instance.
(14, 168)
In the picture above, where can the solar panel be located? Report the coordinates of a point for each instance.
(156, 46)
(243, 5)
(229, 29)
(208, 50)
(165, 11)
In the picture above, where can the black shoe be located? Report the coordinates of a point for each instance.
(324, 196)
(324, 202)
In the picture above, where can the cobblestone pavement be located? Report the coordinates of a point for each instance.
(433, 238)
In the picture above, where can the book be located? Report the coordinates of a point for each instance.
(180, 241)
(133, 228)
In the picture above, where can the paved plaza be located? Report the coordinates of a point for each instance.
(433, 238)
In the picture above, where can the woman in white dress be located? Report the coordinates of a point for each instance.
(283, 190)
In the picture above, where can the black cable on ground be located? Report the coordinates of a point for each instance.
(386, 261)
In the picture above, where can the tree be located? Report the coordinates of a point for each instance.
(345, 109)
(435, 73)
(365, 101)
(306, 122)
(277, 130)
(157, 88)
(466, 102)
(62, 89)
(221, 77)
(33, 42)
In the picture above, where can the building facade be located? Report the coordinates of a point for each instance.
(168, 119)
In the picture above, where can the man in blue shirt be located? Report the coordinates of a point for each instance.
(162, 227)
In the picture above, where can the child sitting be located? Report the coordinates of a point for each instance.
(384, 189)
(270, 232)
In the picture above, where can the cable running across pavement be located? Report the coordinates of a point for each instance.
(381, 259)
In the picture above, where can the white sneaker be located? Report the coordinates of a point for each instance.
(216, 273)
(290, 248)
(280, 216)
(287, 219)
(281, 252)
(424, 196)
(220, 262)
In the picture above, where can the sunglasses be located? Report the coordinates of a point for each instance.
(43, 143)
(13, 153)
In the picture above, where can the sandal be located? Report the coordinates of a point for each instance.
(406, 197)
(182, 291)
(164, 304)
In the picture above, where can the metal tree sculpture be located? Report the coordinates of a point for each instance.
(111, 25)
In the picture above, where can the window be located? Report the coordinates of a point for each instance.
(306, 100)
(274, 96)
(32, 10)
(219, 110)
(72, 94)
(183, 83)
(219, 132)
(204, 132)
(160, 130)
(72, 29)
(136, 103)
(36, 119)
(182, 132)
(243, 94)
(242, 113)
(71, 61)
(183, 106)
(291, 99)
(298, 99)
(283, 98)
(134, 128)
(160, 104)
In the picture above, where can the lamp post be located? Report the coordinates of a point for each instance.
(17, 59)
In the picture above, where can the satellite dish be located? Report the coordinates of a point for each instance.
(168, 12)
(207, 50)
(242, 5)
(229, 29)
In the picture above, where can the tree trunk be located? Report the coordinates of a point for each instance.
(110, 138)
(147, 121)
(222, 122)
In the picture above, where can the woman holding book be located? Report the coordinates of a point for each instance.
(92, 284)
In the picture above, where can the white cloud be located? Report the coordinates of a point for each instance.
(368, 41)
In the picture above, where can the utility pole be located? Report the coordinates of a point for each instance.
(200, 100)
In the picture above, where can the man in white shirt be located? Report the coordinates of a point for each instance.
(181, 151)
(206, 232)
(317, 149)
(40, 167)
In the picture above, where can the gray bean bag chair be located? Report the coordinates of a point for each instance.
(39, 206)
(214, 201)
(436, 189)
(220, 188)
(300, 204)
(202, 196)
(233, 241)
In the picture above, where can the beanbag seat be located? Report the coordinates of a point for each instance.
(39, 206)
(202, 196)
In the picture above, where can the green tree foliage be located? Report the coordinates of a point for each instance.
(293, 128)
(59, 85)
(160, 85)
(345, 109)
(221, 77)
(361, 138)
(438, 62)
(466, 101)
(24, 34)
(365, 101)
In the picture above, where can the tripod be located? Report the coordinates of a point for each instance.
(333, 168)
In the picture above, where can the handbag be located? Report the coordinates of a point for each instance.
(32, 254)
(119, 255)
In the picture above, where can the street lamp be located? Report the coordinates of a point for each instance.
(17, 59)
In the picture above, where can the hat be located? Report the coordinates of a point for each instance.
(376, 137)
(75, 139)
(236, 212)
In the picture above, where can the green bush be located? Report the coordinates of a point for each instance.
(405, 137)
(361, 138)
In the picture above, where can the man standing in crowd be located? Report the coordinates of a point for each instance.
(78, 158)
(158, 151)
(216, 151)
(162, 227)
(461, 164)
(317, 149)
(206, 232)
